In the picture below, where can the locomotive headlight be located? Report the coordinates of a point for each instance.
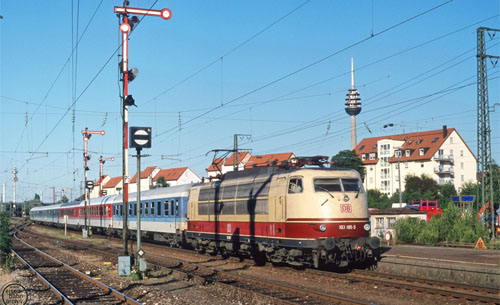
(322, 228)
(367, 227)
(346, 198)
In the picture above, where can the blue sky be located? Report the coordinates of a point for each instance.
(277, 70)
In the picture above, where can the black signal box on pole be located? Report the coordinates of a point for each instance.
(140, 137)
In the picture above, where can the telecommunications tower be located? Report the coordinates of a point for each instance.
(353, 106)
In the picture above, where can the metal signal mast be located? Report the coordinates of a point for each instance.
(86, 137)
(126, 27)
(484, 163)
(101, 177)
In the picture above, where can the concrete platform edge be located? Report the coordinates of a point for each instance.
(454, 272)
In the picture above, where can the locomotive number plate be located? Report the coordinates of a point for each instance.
(347, 227)
(346, 208)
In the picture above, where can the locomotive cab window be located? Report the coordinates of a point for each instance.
(295, 186)
(352, 185)
(327, 185)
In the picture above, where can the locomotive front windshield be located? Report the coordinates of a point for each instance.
(337, 185)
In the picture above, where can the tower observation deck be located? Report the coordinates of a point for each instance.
(353, 106)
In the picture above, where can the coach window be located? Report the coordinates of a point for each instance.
(130, 209)
(295, 186)
(165, 208)
(172, 208)
(146, 208)
(177, 207)
(152, 208)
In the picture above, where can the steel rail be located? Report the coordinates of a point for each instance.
(477, 288)
(56, 291)
(120, 296)
(279, 286)
(210, 278)
(420, 288)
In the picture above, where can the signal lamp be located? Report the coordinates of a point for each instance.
(132, 74)
(129, 101)
(133, 21)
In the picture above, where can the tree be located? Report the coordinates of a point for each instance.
(161, 182)
(348, 159)
(424, 187)
(64, 199)
(446, 191)
(468, 188)
(37, 197)
(377, 200)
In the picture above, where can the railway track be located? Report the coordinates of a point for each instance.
(68, 284)
(294, 295)
(280, 293)
(476, 293)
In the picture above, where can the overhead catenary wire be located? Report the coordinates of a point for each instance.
(220, 58)
(316, 62)
(185, 118)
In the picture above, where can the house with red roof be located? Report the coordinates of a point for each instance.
(269, 160)
(98, 186)
(441, 154)
(247, 161)
(176, 176)
(113, 186)
(222, 166)
(147, 176)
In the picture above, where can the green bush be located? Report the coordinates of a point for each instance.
(430, 232)
(407, 229)
(451, 226)
(5, 241)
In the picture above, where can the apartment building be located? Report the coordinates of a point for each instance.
(441, 154)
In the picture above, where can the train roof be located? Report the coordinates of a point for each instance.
(265, 172)
(171, 191)
(46, 207)
(70, 204)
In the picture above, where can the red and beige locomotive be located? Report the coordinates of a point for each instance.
(297, 216)
(294, 215)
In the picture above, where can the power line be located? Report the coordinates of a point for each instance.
(219, 59)
(315, 62)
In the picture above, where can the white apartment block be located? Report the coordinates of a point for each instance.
(440, 154)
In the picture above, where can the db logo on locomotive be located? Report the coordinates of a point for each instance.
(346, 208)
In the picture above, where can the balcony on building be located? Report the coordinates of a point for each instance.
(444, 170)
(443, 158)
